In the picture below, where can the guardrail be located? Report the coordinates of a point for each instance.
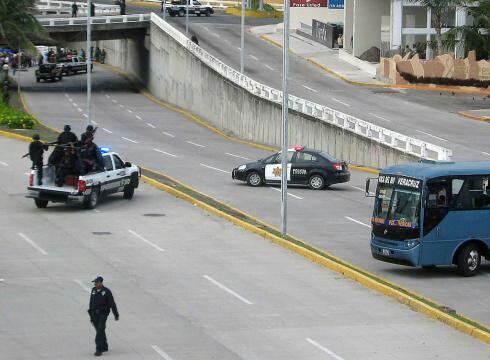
(223, 4)
(96, 20)
(344, 121)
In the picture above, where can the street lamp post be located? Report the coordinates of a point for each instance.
(187, 18)
(285, 113)
(89, 59)
(242, 39)
(164, 8)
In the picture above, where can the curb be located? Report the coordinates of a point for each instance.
(456, 90)
(254, 13)
(414, 301)
(15, 136)
(474, 117)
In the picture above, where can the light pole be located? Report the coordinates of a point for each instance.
(187, 18)
(19, 64)
(285, 113)
(164, 8)
(242, 40)
(89, 59)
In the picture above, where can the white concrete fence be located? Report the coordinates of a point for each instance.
(95, 20)
(372, 132)
(48, 7)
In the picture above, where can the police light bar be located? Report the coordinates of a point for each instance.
(105, 150)
(298, 148)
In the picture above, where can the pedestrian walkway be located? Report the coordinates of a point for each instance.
(316, 53)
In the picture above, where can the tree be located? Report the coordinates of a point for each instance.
(438, 9)
(475, 36)
(18, 25)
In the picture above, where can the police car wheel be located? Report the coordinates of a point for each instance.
(316, 182)
(93, 199)
(207, 13)
(181, 13)
(254, 179)
(469, 260)
(41, 204)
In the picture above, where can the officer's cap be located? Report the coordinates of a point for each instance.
(67, 128)
(98, 279)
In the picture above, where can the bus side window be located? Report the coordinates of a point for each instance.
(471, 194)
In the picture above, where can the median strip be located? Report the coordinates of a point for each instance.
(415, 301)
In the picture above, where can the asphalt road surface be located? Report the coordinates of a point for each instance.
(336, 220)
(429, 116)
(188, 286)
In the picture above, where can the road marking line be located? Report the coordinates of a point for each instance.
(485, 153)
(269, 67)
(151, 125)
(145, 240)
(75, 105)
(107, 96)
(239, 48)
(160, 352)
(254, 57)
(33, 244)
(114, 101)
(85, 115)
(121, 106)
(130, 111)
(294, 196)
(2, 280)
(164, 152)
(138, 117)
(82, 285)
(3, 163)
(229, 291)
(79, 109)
(379, 117)
(211, 167)
(107, 130)
(309, 88)
(358, 188)
(125, 138)
(97, 211)
(435, 137)
(357, 221)
(69, 99)
(93, 122)
(238, 156)
(198, 145)
(340, 102)
(324, 349)
(215, 34)
(168, 134)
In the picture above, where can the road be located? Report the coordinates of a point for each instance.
(336, 220)
(212, 291)
(429, 116)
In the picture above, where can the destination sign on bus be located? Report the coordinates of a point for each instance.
(400, 181)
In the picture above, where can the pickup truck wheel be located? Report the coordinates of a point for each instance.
(129, 189)
(41, 204)
(60, 77)
(92, 200)
(181, 13)
(198, 14)
(171, 13)
(69, 72)
(37, 79)
(207, 13)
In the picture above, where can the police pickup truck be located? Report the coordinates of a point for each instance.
(73, 65)
(49, 71)
(86, 190)
(178, 7)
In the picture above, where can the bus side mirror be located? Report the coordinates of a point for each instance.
(368, 192)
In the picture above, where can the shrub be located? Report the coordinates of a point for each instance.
(15, 119)
(445, 81)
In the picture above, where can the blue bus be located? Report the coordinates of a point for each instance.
(432, 213)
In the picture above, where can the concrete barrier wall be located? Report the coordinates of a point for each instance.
(176, 76)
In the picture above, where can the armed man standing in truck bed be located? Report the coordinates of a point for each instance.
(101, 304)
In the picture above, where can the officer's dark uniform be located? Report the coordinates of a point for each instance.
(101, 303)
(67, 136)
(36, 150)
(90, 132)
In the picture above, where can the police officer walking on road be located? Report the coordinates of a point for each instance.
(36, 150)
(101, 303)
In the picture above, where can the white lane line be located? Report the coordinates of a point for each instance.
(121, 106)
(254, 57)
(294, 196)
(324, 349)
(3, 163)
(93, 122)
(239, 48)
(130, 111)
(168, 134)
(215, 34)
(195, 144)
(151, 125)
(269, 67)
(211, 167)
(82, 285)
(164, 152)
(485, 153)
(309, 88)
(97, 211)
(107, 96)
(237, 156)
(79, 109)
(138, 117)
(433, 136)
(70, 99)
(358, 188)
(160, 352)
(107, 130)
(379, 117)
(85, 115)
(357, 221)
(114, 101)
(2, 280)
(229, 291)
(75, 104)
(33, 244)
(125, 138)
(155, 246)
(340, 102)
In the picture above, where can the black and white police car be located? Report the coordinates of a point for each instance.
(309, 167)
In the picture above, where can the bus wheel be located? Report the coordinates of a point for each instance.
(469, 259)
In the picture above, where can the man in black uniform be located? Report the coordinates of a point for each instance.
(90, 156)
(90, 131)
(36, 150)
(67, 136)
(101, 303)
